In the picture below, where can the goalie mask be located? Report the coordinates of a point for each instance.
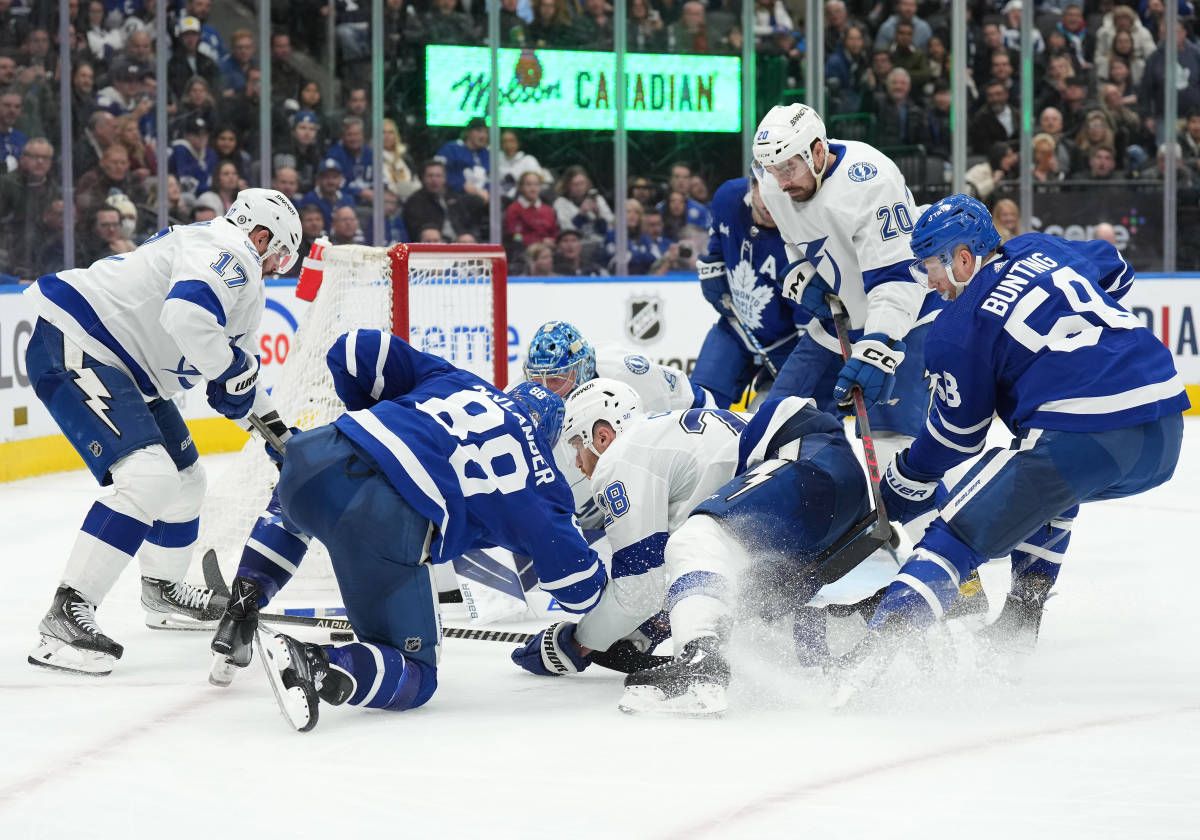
(542, 406)
(609, 400)
(272, 210)
(560, 358)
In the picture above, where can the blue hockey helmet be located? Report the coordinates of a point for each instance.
(954, 221)
(542, 406)
(560, 358)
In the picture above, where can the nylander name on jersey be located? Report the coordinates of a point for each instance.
(465, 457)
(1038, 337)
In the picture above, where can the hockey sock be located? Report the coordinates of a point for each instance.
(167, 550)
(699, 604)
(272, 552)
(383, 677)
(1042, 552)
(928, 581)
(106, 543)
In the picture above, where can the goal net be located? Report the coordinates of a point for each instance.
(448, 300)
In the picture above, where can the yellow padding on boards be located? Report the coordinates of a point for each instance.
(52, 453)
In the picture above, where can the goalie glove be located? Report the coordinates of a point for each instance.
(872, 367)
(552, 652)
(905, 494)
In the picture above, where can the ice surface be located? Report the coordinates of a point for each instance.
(1098, 738)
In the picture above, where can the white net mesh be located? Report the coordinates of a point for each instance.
(450, 310)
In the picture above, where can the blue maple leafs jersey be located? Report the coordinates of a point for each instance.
(462, 454)
(744, 263)
(1038, 338)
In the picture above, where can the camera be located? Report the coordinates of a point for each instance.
(685, 250)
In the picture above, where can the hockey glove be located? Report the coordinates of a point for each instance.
(282, 431)
(552, 652)
(232, 393)
(810, 294)
(907, 495)
(872, 367)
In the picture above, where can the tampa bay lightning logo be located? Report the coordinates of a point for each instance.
(183, 371)
(637, 364)
(815, 252)
(862, 171)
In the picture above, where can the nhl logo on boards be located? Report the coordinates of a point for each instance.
(95, 448)
(643, 319)
(412, 644)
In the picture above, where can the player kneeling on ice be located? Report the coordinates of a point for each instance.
(1035, 335)
(681, 526)
(428, 463)
(113, 344)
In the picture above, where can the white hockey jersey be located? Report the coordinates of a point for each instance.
(660, 387)
(647, 482)
(855, 233)
(168, 312)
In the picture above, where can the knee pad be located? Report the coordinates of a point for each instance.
(145, 484)
(188, 500)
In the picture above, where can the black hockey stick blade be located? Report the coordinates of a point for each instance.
(626, 658)
(853, 547)
(213, 578)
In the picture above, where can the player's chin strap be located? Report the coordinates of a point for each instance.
(820, 176)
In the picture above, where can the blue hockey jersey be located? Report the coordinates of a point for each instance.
(743, 268)
(462, 454)
(1038, 338)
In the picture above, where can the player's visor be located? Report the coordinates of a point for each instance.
(793, 167)
(287, 257)
(929, 271)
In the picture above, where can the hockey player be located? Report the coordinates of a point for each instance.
(427, 463)
(650, 473)
(844, 211)
(112, 344)
(741, 276)
(1035, 335)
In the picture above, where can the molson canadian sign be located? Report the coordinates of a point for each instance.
(576, 89)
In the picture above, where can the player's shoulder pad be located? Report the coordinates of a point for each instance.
(865, 165)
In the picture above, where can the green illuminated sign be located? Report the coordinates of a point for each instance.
(576, 89)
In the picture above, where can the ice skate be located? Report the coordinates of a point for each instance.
(1016, 629)
(693, 684)
(300, 676)
(233, 643)
(971, 603)
(180, 606)
(71, 639)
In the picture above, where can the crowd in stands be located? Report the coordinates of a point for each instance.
(1098, 77)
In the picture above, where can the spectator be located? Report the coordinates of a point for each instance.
(284, 74)
(13, 27)
(1183, 173)
(906, 10)
(1189, 142)
(698, 192)
(467, 160)
(357, 104)
(678, 220)
(127, 92)
(594, 28)
(302, 151)
(643, 190)
(24, 197)
(240, 112)
(1003, 71)
(48, 248)
(1012, 28)
(142, 163)
(431, 234)
(652, 246)
(1074, 104)
(528, 219)
(581, 207)
(444, 24)
(1006, 216)
(83, 91)
(1106, 232)
(937, 122)
(512, 25)
(551, 25)
(139, 48)
(225, 144)
(111, 175)
(907, 57)
(393, 219)
(1123, 49)
(187, 61)
(1051, 122)
(238, 63)
(1102, 163)
(353, 36)
(514, 163)
(771, 16)
(449, 212)
(1127, 125)
(1001, 165)
(1096, 131)
(287, 182)
(692, 32)
(37, 56)
(312, 227)
(646, 32)
(991, 41)
(192, 161)
(939, 64)
(837, 24)
(1080, 41)
(178, 209)
(637, 261)
(197, 101)
(540, 258)
(225, 185)
(12, 141)
(995, 122)
(1122, 19)
(899, 121)
(345, 230)
(850, 66)
(99, 134)
(1046, 168)
(211, 45)
(128, 210)
(103, 41)
(1188, 79)
(328, 193)
(103, 239)
(398, 177)
(1051, 90)
(680, 181)
(569, 259)
(881, 65)
(354, 157)
(1122, 79)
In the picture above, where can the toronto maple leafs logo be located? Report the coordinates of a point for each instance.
(749, 298)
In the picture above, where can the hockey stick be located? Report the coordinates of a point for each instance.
(752, 344)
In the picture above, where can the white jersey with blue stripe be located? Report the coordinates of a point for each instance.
(465, 457)
(854, 232)
(1038, 337)
(166, 313)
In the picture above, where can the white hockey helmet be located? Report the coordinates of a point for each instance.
(274, 211)
(787, 131)
(609, 400)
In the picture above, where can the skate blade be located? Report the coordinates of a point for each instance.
(705, 700)
(56, 655)
(296, 706)
(178, 621)
(222, 672)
